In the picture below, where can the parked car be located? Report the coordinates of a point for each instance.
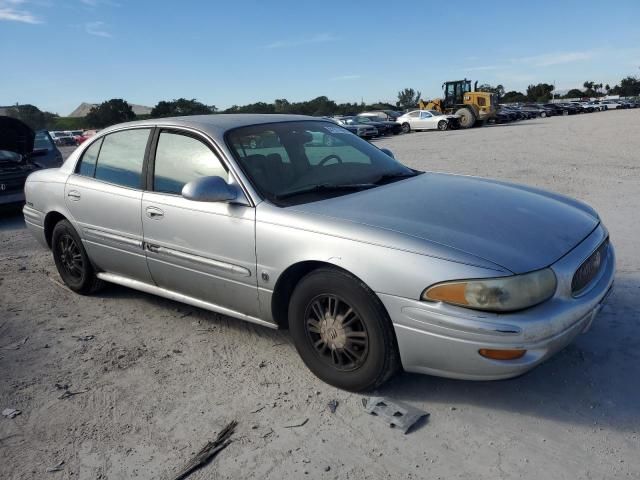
(365, 131)
(535, 110)
(371, 265)
(572, 109)
(610, 104)
(45, 153)
(557, 108)
(63, 139)
(384, 127)
(584, 106)
(17, 159)
(427, 120)
(388, 115)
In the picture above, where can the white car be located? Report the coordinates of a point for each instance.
(427, 120)
(610, 104)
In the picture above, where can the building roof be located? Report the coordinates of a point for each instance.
(84, 108)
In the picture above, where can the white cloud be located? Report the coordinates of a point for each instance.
(317, 38)
(346, 77)
(11, 11)
(97, 29)
(557, 58)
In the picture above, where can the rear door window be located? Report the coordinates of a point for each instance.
(87, 165)
(121, 157)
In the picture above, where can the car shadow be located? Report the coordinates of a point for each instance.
(593, 381)
(11, 218)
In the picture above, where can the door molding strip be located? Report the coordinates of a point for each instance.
(179, 297)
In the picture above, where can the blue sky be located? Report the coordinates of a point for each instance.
(57, 53)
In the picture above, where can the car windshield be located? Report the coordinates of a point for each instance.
(42, 141)
(363, 119)
(298, 162)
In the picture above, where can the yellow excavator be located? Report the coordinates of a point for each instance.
(471, 106)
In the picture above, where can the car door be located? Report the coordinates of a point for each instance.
(425, 121)
(413, 118)
(104, 196)
(205, 250)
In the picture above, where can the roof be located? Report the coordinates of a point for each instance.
(84, 108)
(218, 124)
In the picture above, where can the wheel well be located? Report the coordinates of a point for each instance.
(285, 286)
(50, 222)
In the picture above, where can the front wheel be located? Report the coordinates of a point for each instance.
(406, 128)
(72, 261)
(341, 331)
(543, 114)
(443, 125)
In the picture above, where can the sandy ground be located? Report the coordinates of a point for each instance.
(160, 379)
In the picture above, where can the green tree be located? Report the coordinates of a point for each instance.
(282, 105)
(629, 87)
(109, 113)
(540, 92)
(32, 116)
(574, 93)
(180, 107)
(408, 98)
(513, 97)
(497, 90)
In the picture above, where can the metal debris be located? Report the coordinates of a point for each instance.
(58, 467)
(69, 393)
(11, 412)
(301, 424)
(84, 338)
(208, 452)
(333, 405)
(397, 414)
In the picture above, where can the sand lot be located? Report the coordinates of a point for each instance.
(159, 379)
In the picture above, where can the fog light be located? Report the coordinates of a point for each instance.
(502, 354)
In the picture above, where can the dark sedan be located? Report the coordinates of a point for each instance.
(384, 127)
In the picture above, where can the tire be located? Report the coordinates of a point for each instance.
(406, 128)
(72, 261)
(443, 125)
(543, 114)
(354, 348)
(467, 119)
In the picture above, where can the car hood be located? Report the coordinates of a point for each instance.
(516, 227)
(16, 136)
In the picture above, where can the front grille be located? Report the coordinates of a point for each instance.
(589, 268)
(12, 179)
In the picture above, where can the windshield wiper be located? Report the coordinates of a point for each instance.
(387, 177)
(325, 187)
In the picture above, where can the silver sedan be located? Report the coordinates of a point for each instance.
(372, 266)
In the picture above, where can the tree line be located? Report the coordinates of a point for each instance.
(118, 110)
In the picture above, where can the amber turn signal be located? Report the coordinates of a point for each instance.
(502, 354)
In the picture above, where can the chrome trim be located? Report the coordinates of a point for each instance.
(179, 297)
(224, 266)
(112, 236)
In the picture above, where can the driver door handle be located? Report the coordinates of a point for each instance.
(154, 213)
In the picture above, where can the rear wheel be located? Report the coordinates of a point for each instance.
(467, 118)
(406, 128)
(72, 261)
(443, 125)
(342, 331)
(543, 114)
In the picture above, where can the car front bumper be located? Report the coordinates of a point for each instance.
(444, 340)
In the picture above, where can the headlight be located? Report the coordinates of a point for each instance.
(502, 294)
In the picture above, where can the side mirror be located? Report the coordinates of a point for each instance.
(209, 189)
(387, 152)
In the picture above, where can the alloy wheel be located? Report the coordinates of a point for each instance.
(337, 333)
(70, 256)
